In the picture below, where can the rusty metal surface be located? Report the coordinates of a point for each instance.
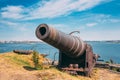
(64, 42)
(23, 51)
(75, 56)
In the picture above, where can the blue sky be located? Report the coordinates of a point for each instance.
(95, 19)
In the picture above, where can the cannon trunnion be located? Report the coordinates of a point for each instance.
(75, 56)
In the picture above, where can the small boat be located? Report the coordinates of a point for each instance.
(26, 52)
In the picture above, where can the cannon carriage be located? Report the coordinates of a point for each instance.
(75, 55)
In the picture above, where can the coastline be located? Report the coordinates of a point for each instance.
(105, 49)
(112, 41)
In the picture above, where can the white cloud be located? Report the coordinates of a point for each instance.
(115, 20)
(14, 12)
(17, 31)
(9, 23)
(15, 25)
(50, 9)
(102, 18)
(55, 8)
(95, 19)
(101, 35)
(91, 24)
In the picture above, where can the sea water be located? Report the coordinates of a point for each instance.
(107, 50)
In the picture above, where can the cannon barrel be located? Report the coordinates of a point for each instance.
(71, 45)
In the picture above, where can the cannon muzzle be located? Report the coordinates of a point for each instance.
(72, 46)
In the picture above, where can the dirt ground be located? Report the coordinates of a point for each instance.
(11, 71)
(108, 75)
(103, 74)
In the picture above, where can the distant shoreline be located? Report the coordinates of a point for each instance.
(113, 41)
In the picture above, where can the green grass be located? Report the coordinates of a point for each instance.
(18, 61)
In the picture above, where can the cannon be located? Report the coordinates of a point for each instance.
(25, 52)
(75, 56)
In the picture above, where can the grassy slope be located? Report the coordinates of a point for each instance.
(15, 66)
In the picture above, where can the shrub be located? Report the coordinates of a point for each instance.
(107, 62)
(35, 59)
